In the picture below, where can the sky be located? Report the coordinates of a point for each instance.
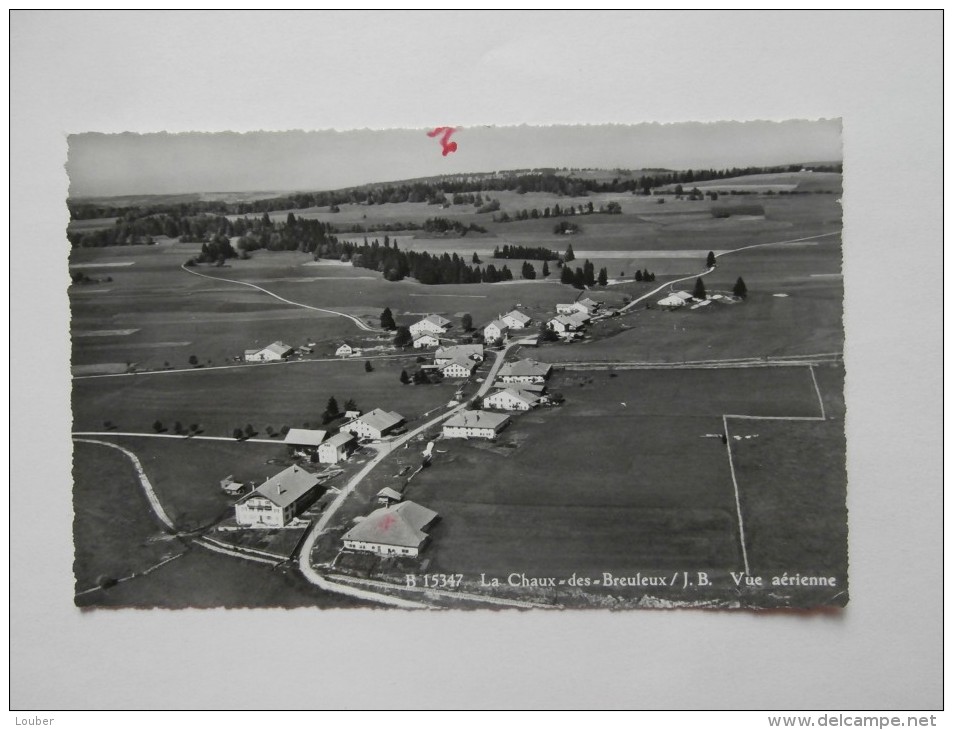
(196, 162)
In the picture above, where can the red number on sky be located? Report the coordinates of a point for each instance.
(445, 142)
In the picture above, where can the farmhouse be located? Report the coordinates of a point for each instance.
(474, 424)
(395, 530)
(495, 330)
(516, 320)
(675, 299)
(459, 367)
(279, 500)
(511, 399)
(345, 350)
(565, 308)
(274, 351)
(432, 324)
(525, 371)
(586, 306)
(374, 425)
(305, 441)
(446, 355)
(337, 448)
(425, 340)
(561, 323)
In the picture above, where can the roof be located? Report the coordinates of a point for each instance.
(279, 348)
(534, 388)
(453, 351)
(523, 395)
(476, 419)
(390, 493)
(428, 335)
(400, 524)
(578, 318)
(437, 320)
(305, 437)
(462, 361)
(525, 367)
(683, 295)
(499, 324)
(346, 344)
(285, 487)
(380, 419)
(519, 316)
(588, 302)
(339, 439)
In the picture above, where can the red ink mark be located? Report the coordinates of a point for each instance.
(445, 142)
(387, 521)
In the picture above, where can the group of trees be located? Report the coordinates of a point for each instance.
(740, 289)
(444, 226)
(644, 275)
(421, 377)
(564, 227)
(540, 253)
(580, 278)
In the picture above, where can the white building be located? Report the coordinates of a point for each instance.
(516, 320)
(345, 350)
(374, 425)
(459, 367)
(432, 324)
(495, 330)
(525, 371)
(675, 299)
(587, 306)
(565, 308)
(562, 323)
(474, 424)
(337, 448)
(425, 340)
(275, 351)
(579, 319)
(395, 530)
(511, 399)
(279, 500)
(446, 355)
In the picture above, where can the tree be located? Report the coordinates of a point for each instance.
(710, 261)
(565, 276)
(403, 337)
(237, 434)
(579, 279)
(387, 320)
(249, 430)
(638, 275)
(350, 405)
(545, 269)
(476, 259)
(193, 360)
(740, 289)
(331, 411)
(569, 255)
(590, 273)
(157, 426)
(404, 377)
(368, 368)
(466, 321)
(177, 427)
(603, 277)
(699, 291)
(268, 429)
(528, 271)
(194, 428)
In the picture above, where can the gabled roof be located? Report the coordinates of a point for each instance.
(305, 437)
(462, 361)
(518, 316)
(525, 367)
(564, 319)
(400, 525)
(578, 318)
(285, 487)
(476, 419)
(498, 323)
(380, 419)
(390, 493)
(428, 335)
(453, 351)
(683, 295)
(523, 395)
(437, 320)
(345, 344)
(278, 348)
(587, 302)
(339, 439)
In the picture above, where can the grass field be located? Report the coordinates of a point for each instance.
(263, 395)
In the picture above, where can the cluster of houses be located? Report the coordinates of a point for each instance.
(676, 299)
(571, 319)
(275, 352)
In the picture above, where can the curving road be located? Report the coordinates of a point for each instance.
(318, 528)
(351, 317)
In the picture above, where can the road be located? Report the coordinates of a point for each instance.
(319, 527)
(351, 317)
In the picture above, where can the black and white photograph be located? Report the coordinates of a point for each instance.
(500, 367)
(476, 359)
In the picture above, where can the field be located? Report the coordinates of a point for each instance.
(625, 476)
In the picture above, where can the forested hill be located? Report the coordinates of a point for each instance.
(434, 190)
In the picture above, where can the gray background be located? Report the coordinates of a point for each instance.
(881, 72)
